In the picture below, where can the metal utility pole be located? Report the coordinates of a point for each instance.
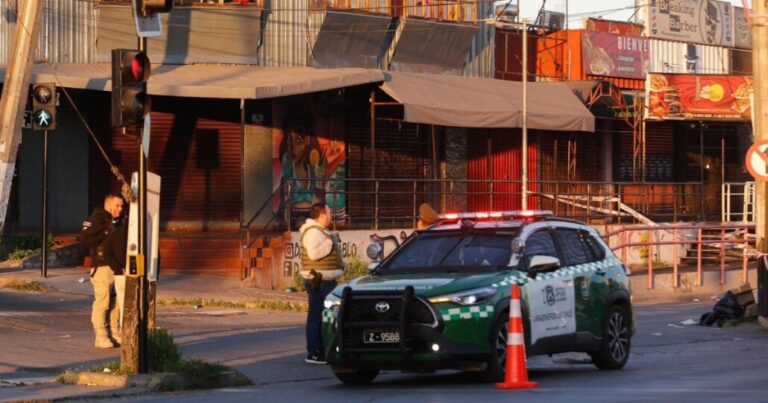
(759, 20)
(524, 147)
(15, 93)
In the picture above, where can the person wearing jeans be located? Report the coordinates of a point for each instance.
(321, 265)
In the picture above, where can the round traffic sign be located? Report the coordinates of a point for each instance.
(757, 160)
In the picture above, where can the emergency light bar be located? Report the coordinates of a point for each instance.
(497, 214)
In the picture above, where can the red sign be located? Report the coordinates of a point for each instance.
(612, 55)
(680, 96)
(757, 160)
(614, 27)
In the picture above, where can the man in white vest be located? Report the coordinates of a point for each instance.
(321, 265)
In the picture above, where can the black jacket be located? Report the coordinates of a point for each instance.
(106, 239)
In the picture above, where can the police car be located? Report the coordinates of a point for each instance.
(441, 299)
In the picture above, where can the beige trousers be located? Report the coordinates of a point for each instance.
(107, 305)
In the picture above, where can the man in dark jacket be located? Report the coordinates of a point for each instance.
(104, 233)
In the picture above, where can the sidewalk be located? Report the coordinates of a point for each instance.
(75, 280)
(224, 289)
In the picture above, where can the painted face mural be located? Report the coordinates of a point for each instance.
(308, 161)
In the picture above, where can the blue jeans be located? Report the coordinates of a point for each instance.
(315, 314)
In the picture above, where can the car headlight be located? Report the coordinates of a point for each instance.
(468, 297)
(331, 301)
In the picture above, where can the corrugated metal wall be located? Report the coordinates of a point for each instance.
(480, 61)
(67, 31)
(290, 33)
(679, 57)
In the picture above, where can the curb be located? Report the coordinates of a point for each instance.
(157, 381)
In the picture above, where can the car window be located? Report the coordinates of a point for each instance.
(538, 243)
(574, 250)
(440, 250)
(598, 252)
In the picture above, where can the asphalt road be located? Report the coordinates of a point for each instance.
(43, 332)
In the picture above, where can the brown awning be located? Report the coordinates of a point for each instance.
(351, 40)
(486, 103)
(433, 47)
(211, 81)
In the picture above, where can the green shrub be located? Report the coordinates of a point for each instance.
(201, 374)
(164, 354)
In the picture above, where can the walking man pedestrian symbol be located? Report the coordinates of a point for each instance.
(42, 118)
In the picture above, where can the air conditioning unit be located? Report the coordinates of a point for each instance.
(505, 10)
(553, 20)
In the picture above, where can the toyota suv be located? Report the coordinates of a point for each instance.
(441, 299)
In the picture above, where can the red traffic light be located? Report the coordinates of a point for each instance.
(135, 66)
(130, 102)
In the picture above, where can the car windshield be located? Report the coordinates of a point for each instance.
(452, 252)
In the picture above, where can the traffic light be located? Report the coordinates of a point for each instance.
(44, 106)
(130, 101)
(145, 8)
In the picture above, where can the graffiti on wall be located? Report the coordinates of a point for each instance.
(308, 155)
(353, 246)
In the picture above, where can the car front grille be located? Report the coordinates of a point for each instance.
(364, 310)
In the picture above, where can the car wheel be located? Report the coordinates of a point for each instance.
(497, 363)
(357, 376)
(614, 352)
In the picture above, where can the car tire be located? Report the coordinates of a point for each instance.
(494, 371)
(614, 351)
(356, 377)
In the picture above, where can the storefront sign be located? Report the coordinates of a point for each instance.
(698, 21)
(695, 97)
(612, 55)
(614, 27)
(742, 34)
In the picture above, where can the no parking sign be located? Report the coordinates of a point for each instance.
(757, 160)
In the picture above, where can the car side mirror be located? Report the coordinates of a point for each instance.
(373, 267)
(543, 263)
(374, 251)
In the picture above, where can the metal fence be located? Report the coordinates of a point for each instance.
(393, 203)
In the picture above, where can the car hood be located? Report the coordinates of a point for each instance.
(425, 285)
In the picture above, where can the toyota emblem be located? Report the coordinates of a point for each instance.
(382, 307)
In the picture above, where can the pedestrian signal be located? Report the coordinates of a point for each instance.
(44, 106)
(130, 101)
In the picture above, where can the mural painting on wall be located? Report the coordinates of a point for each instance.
(308, 156)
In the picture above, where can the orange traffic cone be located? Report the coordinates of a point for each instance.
(516, 376)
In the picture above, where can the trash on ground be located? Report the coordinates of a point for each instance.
(81, 280)
(674, 325)
(736, 304)
(696, 300)
(197, 306)
(655, 334)
(688, 322)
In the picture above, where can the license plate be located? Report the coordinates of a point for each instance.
(381, 336)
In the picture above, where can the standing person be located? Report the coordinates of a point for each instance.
(321, 265)
(104, 233)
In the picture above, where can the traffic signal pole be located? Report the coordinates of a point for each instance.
(143, 284)
(759, 21)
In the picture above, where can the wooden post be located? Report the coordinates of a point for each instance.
(15, 93)
(759, 19)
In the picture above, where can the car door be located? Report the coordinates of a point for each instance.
(580, 264)
(549, 294)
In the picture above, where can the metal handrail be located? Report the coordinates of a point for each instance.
(624, 234)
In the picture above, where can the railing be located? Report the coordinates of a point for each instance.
(722, 237)
(738, 196)
(393, 203)
(247, 228)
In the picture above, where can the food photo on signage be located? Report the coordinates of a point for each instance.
(681, 96)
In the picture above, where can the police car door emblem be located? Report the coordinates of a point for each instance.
(381, 307)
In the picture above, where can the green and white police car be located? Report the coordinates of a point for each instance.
(441, 299)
